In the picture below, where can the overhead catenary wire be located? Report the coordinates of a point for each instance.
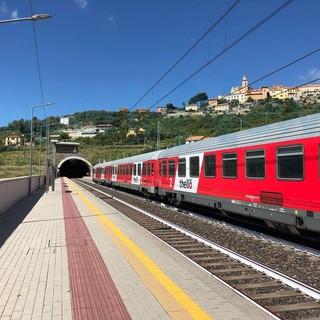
(37, 57)
(189, 50)
(296, 87)
(258, 25)
(276, 70)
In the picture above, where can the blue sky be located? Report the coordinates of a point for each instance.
(103, 54)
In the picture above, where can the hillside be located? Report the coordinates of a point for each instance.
(114, 143)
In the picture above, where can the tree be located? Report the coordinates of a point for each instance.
(200, 97)
(64, 136)
(234, 103)
(223, 100)
(170, 107)
(250, 99)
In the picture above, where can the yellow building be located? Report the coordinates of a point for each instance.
(132, 132)
(279, 92)
(15, 139)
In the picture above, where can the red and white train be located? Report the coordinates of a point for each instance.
(271, 173)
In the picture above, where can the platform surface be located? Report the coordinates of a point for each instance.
(66, 254)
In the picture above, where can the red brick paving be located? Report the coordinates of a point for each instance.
(93, 293)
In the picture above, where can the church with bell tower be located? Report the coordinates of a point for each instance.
(243, 92)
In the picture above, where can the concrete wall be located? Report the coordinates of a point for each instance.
(15, 189)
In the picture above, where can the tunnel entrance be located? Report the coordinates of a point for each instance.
(74, 167)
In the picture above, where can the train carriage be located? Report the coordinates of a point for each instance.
(135, 173)
(271, 173)
(98, 173)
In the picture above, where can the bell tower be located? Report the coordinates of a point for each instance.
(244, 83)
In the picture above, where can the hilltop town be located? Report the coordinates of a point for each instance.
(123, 125)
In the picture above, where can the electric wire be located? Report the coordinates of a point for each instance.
(298, 86)
(258, 25)
(189, 50)
(276, 70)
(37, 56)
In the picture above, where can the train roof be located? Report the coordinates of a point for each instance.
(138, 158)
(298, 128)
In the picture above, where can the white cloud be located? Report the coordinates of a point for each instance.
(4, 10)
(110, 18)
(311, 74)
(81, 3)
(3, 7)
(14, 14)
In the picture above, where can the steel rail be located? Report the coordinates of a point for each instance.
(291, 282)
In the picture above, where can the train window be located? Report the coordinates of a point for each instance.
(182, 167)
(144, 169)
(160, 168)
(135, 169)
(194, 167)
(210, 165)
(255, 164)
(164, 168)
(139, 169)
(149, 169)
(171, 168)
(290, 162)
(229, 165)
(152, 168)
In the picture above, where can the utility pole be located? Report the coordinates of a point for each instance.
(158, 135)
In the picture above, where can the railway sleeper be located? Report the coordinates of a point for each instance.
(243, 277)
(194, 249)
(167, 233)
(272, 295)
(258, 285)
(186, 245)
(209, 259)
(226, 264)
(231, 270)
(310, 305)
(185, 241)
(151, 226)
(203, 253)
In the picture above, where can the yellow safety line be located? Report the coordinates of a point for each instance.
(174, 300)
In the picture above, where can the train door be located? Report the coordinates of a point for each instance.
(103, 173)
(114, 173)
(136, 174)
(147, 176)
(188, 173)
(166, 173)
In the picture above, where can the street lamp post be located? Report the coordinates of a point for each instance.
(35, 17)
(47, 163)
(31, 138)
(32, 18)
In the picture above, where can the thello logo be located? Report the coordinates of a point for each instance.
(185, 184)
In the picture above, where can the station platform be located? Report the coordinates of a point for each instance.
(67, 255)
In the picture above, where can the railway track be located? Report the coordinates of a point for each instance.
(282, 295)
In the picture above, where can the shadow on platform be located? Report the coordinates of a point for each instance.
(10, 219)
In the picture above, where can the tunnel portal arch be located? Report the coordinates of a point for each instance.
(74, 167)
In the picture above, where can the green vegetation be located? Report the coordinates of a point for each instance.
(114, 143)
